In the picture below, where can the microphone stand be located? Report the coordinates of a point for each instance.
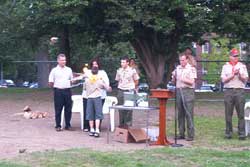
(175, 115)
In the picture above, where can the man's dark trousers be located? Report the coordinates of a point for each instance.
(62, 98)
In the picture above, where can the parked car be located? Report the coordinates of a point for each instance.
(33, 85)
(3, 84)
(7, 83)
(247, 86)
(171, 86)
(143, 87)
(26, 84)
(10, 83)
(208, 88)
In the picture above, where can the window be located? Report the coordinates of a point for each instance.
(205, 48)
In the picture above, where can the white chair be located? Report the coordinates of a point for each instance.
(110, 101)
(77, 107)
(247, 117)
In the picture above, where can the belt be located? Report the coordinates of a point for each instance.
(185, 88)
(61, 88)
(129, 90)
(233, 88)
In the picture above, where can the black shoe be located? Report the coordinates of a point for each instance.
(228, 137)
(179, 137)
(189, 139)
(242, 138)
(58, 129)
(69, 128)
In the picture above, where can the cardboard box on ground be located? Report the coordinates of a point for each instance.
(130, 135)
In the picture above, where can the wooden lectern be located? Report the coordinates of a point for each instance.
(162, 95)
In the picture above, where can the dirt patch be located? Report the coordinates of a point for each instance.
(20, 136)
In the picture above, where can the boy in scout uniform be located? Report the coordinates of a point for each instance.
(234, 76)
(184, 76)
(127, 78)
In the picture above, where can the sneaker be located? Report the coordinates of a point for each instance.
(91, 133)
(85, 130)
(97, 134)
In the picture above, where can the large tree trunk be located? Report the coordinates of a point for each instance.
(65, 44)
(42, 67)
(153, 63)
(157, 51)
(156, 64)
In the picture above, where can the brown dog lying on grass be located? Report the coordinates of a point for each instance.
(28, 114)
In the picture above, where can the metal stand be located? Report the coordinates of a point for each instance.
(175, 120)
(175, 129)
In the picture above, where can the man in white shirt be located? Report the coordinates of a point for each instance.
(60, 79)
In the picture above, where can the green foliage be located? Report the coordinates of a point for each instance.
(127, 20)
(231, 17)
(218, 56)
(155, 29)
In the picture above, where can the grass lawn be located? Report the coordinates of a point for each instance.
(209, 149)
(161, 157)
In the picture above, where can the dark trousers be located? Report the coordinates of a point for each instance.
(86, 122)
(185, 103)
(62, 98)
(234, 98)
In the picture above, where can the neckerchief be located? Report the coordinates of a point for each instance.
(233, 63)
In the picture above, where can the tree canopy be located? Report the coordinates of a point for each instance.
(157, 30)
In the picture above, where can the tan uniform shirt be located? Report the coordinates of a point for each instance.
(227, 70)
(61, 77)
(188, 72)
(126, 78)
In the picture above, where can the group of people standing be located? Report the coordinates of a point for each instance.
(234, 76)
(94, 92)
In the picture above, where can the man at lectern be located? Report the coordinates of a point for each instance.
(184, 76)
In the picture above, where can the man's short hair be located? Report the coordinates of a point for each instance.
(183, 54)
(125, 58)
(61, 55)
